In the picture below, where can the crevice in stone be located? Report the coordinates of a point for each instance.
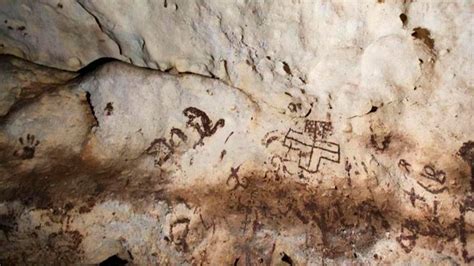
(94, 65)
(287, 259)
(108, 34)
(91, 107)
(174, 71)
(113, 261)
(372, 110)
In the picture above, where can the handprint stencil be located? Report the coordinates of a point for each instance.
(29, 147)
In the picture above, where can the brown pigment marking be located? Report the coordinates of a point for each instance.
(109, 108)
(65, 245)
(348, 167)
(290, 208)
(207, 226)
(463, 208)
(382, 146)
(407, 247)
(404, 19)
(265, 192)
(294, 107)
(414, 196)
(239, 182)
(467, 154)
(84, 209)
(180, 240)
(431, 173)
(402, 163)
(270, 140)
(177, 132)
(228, 137)
(157, 148)
(29, 147)
(430, 189)
(287, 69)
(423, 35)
(312, 152)
(204, 126)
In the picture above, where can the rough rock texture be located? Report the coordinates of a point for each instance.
(237, 132)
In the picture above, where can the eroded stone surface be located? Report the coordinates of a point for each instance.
(301, 133)
(182, 168)
(21, 80)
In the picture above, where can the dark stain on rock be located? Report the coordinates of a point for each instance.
(200, 121)
(65, 245)
(380, 145)
(423, 35)
(8, 224)
(467, 154)
(109, 108)
(468, 206)
(287, 68)
(404, 19)
(270, 140)
(84, 209)
(344, 223)
(29, 146)
(287, 259)
(178, 232)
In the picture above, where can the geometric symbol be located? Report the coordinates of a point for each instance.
(311, 151)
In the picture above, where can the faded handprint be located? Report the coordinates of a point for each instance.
(29, 147)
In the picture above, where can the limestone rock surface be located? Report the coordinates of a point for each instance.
(237, 132)
(20, 81)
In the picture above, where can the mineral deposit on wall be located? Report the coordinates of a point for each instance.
(237, 132)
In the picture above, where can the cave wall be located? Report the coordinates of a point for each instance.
(237, 132)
